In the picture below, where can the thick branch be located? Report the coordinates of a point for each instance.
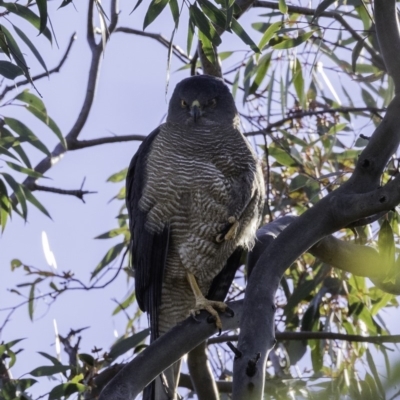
(181, 339)
(317, 336)
(202, 378)
(387, 30)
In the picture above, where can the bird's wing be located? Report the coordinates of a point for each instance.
(149, 250)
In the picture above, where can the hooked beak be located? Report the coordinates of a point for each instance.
(195, 111)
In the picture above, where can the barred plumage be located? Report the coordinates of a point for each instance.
(194, 194)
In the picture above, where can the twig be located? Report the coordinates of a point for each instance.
(81, 144)
(44, 74)
(302, 114)
(330, 14)
(79, 193)
(177, 51)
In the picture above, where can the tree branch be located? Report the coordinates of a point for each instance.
(79, 193)
(82, 144)
(329, 14)
(44, 74)
(176, 50)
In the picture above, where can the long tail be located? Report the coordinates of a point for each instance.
(165, 385)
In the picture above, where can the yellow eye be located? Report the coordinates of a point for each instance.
(213, 102)
(183, 104)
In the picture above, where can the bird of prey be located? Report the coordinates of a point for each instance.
(195, 193)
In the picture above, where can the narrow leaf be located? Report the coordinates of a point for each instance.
(47, 370)
(10, 70)
(31, 47)
(189, 37)
(322, 7)
(32, 199)
(204, 25)
(154, 10)
(19, 193)
(289, 43)
(269, 33)
(27, 14)
(174, 7)
(283, 8)
(23, 131)
(42, 6)
(208, 48)
(124, 345)
(215, 14)
(27, 171)
(298, 81)
(262, 69)
(238, 29)
(110, 256)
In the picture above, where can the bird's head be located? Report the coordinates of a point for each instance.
(202, 100)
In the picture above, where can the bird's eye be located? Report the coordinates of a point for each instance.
(183, 104)
(213, 102)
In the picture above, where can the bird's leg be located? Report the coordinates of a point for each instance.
(229, 232)
(204, 304)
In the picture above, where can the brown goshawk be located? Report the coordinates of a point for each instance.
(195, 194)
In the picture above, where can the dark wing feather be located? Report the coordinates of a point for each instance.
(148, 250)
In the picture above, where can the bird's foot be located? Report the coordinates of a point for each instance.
(212, 307)
(229, 232)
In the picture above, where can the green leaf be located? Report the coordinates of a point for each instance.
(27, 171)
(111, 255)
(368, 99)
(38, 109)
(10, 70)
(23, 131)
(31, 47)
(16, 52)
(190, 37)
(356, 53)
(322, 7)
(87, 359)
(298, 81)
(283, 8)
(4, 151)
(289, 43)
(65, 390)
(113, 233)
(118, 176)
(124, 345)
(19, 193)
(281, 156)
(372, 366)
(154, 10)
(66, 2)
(238, 29)
(27, 14)
(4, 45)
(32, 199)
(15, 263)
(42, 7)
(269, 33)
(204, 25)
(215, 14)
(208, 48)
(48, 370)
(386, 244)
(262, 68)
(54, 360)
(125, 304)
(173, 5)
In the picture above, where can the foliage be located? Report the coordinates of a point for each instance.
(298, 87)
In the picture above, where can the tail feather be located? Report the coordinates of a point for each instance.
(164, 387)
